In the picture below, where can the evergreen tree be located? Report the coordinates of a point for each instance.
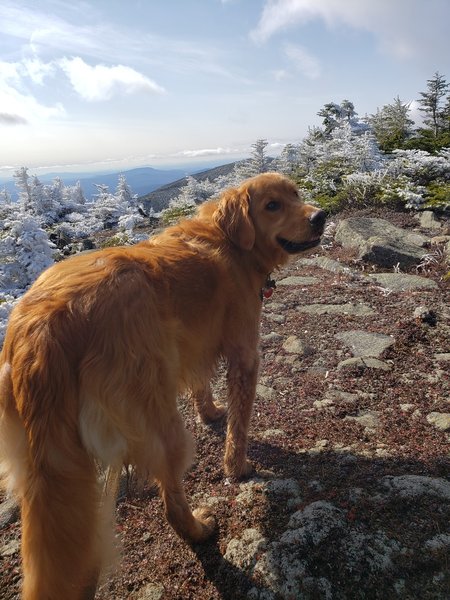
(288, 160)
(334, 115)
(431, 103)
(22, 182)
(258, 162)
(392, 125)
(5, 203)
(123, 192)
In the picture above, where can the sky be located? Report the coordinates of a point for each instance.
(113, 84)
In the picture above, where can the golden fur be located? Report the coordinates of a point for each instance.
(96, 353)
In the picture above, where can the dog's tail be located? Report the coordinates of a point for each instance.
(44, 463)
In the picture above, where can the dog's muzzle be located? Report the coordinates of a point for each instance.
(317, 222)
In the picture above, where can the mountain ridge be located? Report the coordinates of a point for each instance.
(141, 180)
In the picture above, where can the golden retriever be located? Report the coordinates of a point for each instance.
(96, 353)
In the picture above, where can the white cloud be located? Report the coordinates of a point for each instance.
(37, 70)
(404, 28)
(9, 73)
(303, 61)
(17, 105)
(25, 108)
(101, 82)
(206, 152)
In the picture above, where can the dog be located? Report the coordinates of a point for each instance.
(96, 353)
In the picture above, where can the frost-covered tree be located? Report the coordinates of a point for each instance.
(335, 115)
(5, 204)
(123, 192)
(191, 194)
(25, 251)
(22, 180)
(258, 162)
(73, 199)
(105, 208)
(287, 162)
(392, 125)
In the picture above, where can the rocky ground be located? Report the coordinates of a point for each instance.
(350, 443)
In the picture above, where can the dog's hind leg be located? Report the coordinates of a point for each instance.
(192, 526)
(208, 409)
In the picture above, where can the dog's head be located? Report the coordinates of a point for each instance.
(266, 212)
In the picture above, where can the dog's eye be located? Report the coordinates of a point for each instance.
(273, 206)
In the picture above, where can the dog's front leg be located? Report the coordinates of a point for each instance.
(242, 377)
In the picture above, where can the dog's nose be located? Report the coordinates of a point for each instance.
(318, 218)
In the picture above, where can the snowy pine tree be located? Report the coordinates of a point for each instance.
(25, 251)
(258, 161)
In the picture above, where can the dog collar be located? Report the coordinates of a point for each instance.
(268, 288)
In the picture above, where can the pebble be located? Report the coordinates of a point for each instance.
(12, 547)
(367, 418)
(295, 345)
(151, 591)
(440, 420)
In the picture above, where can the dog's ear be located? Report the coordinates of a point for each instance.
(232, 216)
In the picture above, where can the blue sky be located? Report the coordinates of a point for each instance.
(111, 84)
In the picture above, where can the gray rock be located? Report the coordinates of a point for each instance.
(11, 548)
(363, 363)
(296, 280)
(151, 591)
(380, 242)
(272, 337)
(295, 345)
(363, 343)
(9, 512)
(355, 310)
(280, 319)
(263, 391)
(401, 282)
(440, 420)
(324, 263)
(340, 397)
(366, 418)
(428, 220)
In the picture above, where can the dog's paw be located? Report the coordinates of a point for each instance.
(214, 412)
(206, 524)
(239, 471)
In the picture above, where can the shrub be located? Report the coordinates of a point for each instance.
(176, 212)
(437, 196)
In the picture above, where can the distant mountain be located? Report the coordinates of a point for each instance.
(160, 198)
(141, 181)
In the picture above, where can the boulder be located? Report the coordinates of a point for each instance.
(380, 242)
